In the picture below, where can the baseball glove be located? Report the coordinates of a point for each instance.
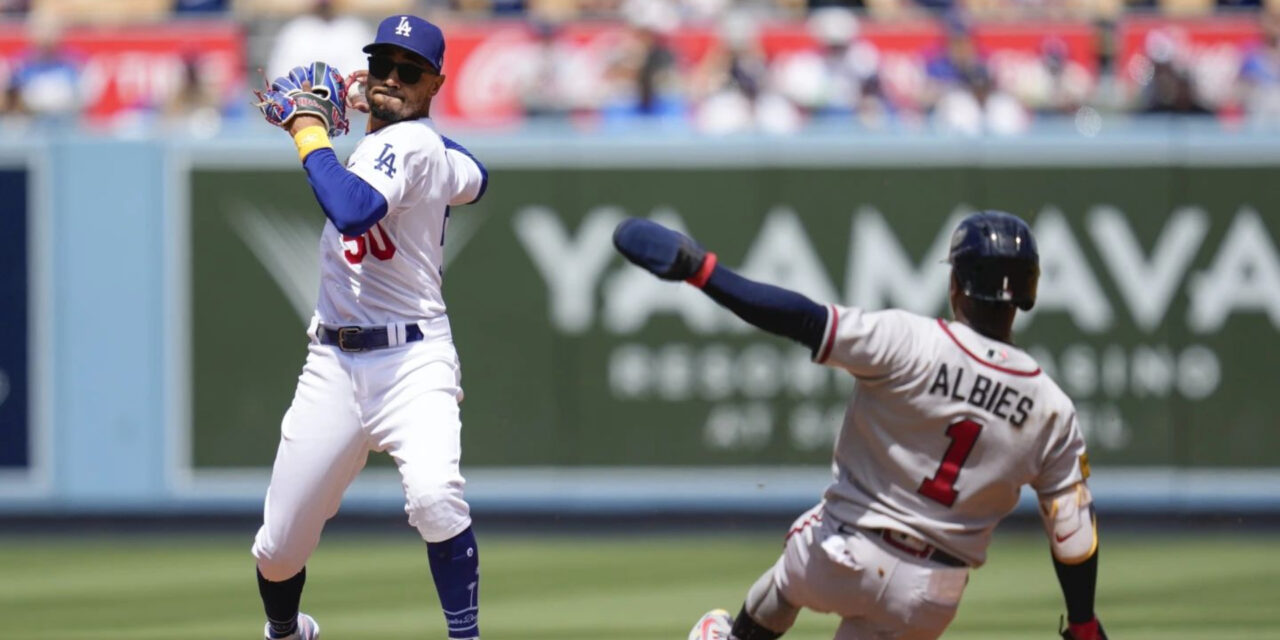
(316, 90)
(1091, 630)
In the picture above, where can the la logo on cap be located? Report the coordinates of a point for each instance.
(404, 29)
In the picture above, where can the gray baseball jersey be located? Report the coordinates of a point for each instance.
(944, 428)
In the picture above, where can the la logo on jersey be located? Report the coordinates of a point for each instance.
(386, 162)
(403, 29)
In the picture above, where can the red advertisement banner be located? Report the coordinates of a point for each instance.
(137, 67)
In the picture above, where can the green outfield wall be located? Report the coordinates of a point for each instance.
(1159, 309)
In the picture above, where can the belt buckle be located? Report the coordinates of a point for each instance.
(343, 334)
(907, 543)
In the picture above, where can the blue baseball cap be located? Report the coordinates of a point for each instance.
(411, 33)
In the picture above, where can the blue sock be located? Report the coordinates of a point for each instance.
(455, 566)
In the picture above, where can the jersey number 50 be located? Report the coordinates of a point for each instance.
(942, 486)
(375, 241)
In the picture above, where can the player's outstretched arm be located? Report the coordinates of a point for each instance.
(671, 255)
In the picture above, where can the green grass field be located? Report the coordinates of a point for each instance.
(603, 588)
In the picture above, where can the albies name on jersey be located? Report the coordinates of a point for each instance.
(993, 397)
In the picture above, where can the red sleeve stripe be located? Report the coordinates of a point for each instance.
(833, 321)
(700, 278)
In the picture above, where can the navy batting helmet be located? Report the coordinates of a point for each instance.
(994, 257)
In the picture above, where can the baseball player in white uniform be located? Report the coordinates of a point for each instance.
(381, 372)
(947, 423)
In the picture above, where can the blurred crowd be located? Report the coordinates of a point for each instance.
(712, 66)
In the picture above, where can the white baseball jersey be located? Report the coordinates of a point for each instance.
(394, 271)
(943, 430)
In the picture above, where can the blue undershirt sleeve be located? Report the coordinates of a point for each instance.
(774, 309)
(348, 201)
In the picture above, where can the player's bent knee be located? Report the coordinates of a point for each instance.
(278, 567)
(438, 513)
(276, 563)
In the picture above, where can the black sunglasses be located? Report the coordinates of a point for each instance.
(380, 67)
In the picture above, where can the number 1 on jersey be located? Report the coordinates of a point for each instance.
(941, 487)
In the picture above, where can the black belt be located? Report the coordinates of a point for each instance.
(928, 552)
(354, 339)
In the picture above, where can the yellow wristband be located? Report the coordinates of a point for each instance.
(311, 138)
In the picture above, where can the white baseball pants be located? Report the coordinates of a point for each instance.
(402, 400)
(880, 592)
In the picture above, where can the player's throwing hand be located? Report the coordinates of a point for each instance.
(357, 86)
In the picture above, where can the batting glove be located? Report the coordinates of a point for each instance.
(1091, 630)
(665, 253)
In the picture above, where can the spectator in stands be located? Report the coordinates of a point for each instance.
(544, 84)
(977, 107)
(874, 110)
(200, 6)
(828, 82)
(1056, 86)
(8, 97)
(1170, 91)
(953, 66)
(1241, 4)
(1260, 74)
(197, 107)
(321, 35)
(732, 88)
(1068, 85)
(14, 7)
(46, 82)
(645, 76)
(507, 7)
(959, 57)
